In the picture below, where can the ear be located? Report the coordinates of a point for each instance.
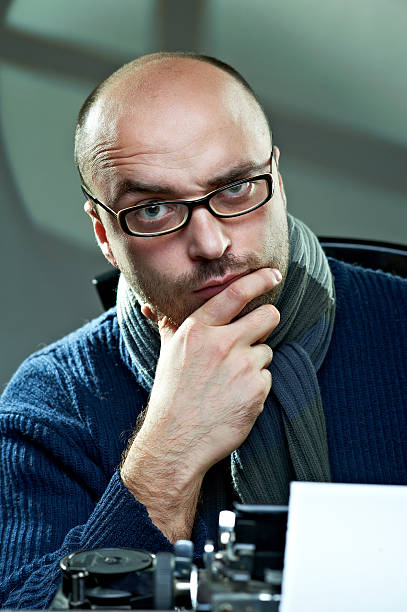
(100, 234)
(276, 152)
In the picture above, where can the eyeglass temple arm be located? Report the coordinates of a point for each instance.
(98, 202)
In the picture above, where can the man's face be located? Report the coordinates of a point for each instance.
(180, 143)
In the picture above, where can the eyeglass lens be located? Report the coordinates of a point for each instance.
(163, 217)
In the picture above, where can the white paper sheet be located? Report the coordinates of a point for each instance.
(346, 549)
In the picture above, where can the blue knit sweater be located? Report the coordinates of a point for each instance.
(69, 410)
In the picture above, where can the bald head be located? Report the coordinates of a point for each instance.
(171, 127)
(162, 93)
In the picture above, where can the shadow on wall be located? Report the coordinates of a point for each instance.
(46, 288)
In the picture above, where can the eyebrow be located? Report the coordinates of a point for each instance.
(241, 171)
(244, 170)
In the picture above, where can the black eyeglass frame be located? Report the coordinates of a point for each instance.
(190, 204)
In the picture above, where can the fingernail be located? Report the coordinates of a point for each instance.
(277, 274)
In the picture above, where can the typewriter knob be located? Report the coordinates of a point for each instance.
(164, 581)
(227, 522)
(184, 552)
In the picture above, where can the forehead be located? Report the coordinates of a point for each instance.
(189, 124)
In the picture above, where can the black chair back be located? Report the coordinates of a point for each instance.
(384, 256)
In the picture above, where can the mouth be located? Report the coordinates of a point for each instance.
(216, 285)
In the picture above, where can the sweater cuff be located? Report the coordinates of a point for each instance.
(119, 520)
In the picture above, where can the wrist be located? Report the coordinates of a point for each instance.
(157, 475)
(167, 488)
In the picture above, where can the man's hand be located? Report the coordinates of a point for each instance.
(210, 386)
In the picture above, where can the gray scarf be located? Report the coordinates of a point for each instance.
(288, 441)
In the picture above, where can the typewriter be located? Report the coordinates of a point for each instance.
(241, 572)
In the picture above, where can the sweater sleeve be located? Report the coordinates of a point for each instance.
(57, 495)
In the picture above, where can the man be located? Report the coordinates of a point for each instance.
(186, 199)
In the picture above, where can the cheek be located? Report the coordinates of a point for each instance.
(268, 234)
(155, 257)
(253, 231)
(125, 249)
(275, 219)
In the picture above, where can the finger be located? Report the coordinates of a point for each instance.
(262, 356)
(256, 326)
(227, 304)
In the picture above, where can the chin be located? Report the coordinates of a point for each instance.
(267, 298)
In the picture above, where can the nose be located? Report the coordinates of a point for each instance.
(206, 235)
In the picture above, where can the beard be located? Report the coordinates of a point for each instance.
(175, 298)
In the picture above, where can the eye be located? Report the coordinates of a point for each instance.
(237, 188)
(156, 217)
(153, 212)
(236, 191)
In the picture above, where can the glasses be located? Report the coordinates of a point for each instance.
(158, 218)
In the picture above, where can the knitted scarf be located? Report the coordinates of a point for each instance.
(288, 441)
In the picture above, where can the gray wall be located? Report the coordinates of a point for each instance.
(330, 73)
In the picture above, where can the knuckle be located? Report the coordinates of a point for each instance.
(246, 363)
(276, 314)
(211, 309)
(261, 391)
(192, 326)
(267, 381)
(223, 349)
(238, 293)
(268, 313)
(193, 331)
(265, 310)
(206, 338)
